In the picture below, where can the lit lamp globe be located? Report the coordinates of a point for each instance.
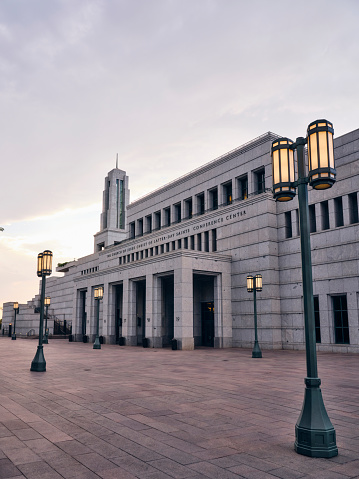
(322, 172)
(283, 170)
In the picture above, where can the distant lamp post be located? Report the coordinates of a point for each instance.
(16, 310)
(47, 304)
(314, 433)
(254, 284)
(98, 295)
(44, 268)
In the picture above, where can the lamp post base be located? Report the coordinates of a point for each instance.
(256, 353)
(38, 363)
(314, 433)
(13, 336)
(96, 344)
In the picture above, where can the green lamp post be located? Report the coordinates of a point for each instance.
(314, 433)
(44, 268)
(47, 304)
(254, 285)
(16, 310)
(98, 295)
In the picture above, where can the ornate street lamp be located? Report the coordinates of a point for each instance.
(98, 295)
(16, 310)
(314, 433)
(44, 268)
(47, 304)
(254, 285)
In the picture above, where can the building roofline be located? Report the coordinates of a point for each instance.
(260, 140)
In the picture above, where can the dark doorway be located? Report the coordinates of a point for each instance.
(141, 310)
(83, 314)
(118, 312)
(207, 319)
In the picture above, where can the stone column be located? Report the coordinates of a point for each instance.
(222, 311)
(346, 213)
(153, 311)
(331, 213)
(129, 312)
(183, 304)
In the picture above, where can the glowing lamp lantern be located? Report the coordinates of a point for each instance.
(250, 284)
(283, 169)
(258, 279)
(322, 172)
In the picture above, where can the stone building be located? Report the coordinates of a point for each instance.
(173, 264)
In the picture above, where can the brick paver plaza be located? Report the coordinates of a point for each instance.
(123, 412)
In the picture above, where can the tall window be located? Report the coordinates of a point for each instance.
(341, 324)
(227, 193)
(214, 240)
(140, 227)
(338, 212)
(312, 219)
(132, 229)
(206, 240)
(167, 212)
(317, 320)
(157, 219)
(148, 224)
(188, 209)
(324, 209)
(260, 181)
(243, 188)
(213, 199)
(288, 224)
(177, 212)
(353, 208)
(200, 204)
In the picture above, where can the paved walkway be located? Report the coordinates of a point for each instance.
(127, 413)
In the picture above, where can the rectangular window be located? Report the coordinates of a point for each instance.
(324, 210)
(140, 227)
(188, 208)
(199, 242)
(192, 242)
(179, 244)
(243, 188)
(318, 338)
(200, 204)
(162, 248)
(338, 212)
(227, 193)
(167, 212)
(353, 208)
(156, 250)
(132, 230)
(259, 178)
(173, 245)
(149, 224)
(137, 256)
(177, 212)
(206, 241)
(288, 224)
(312, 219)
(214, 240)
(167, 247)
(185, 243)
(157, 220)
(341, 325)
(213, 199)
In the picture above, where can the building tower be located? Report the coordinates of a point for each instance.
(116, 197)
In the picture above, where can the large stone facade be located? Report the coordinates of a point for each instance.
(174, 263)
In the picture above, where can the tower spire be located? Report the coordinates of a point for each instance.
(117, 160)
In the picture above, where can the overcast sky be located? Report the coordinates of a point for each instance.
(167, 84)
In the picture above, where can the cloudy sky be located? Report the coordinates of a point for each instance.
(166, 84)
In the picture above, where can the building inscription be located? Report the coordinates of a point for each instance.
(193, 229)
